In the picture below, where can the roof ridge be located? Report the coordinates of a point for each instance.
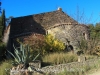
(34, 14)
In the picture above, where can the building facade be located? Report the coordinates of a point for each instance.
(57, 23)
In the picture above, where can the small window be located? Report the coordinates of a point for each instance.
(37, 28)
(85, 36)
(46, 32)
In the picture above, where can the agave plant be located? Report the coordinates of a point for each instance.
(22, 55)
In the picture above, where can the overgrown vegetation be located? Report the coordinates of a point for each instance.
(36, 43)
(23, 55)
(86, 69)
(60, 58)
(5, 67)
(91, 46)
(2, 28)
(51, 50)
(44, 44)
(94, 42)
(53, 44)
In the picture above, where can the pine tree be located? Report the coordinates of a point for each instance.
(3, 22)
(0, 28)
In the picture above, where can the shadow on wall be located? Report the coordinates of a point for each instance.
(23, 26)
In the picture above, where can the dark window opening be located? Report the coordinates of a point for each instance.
(69, 48)
(84, 36)
(37, 28)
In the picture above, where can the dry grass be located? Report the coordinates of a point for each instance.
(60, 58)
(86, 70)
(91, 57)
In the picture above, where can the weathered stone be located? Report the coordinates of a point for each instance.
(74, 66)
(81, 58)
(35, 64)
(58, 23)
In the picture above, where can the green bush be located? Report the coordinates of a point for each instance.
(5, 67)
(2, 50)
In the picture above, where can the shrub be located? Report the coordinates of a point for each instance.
(5, 67)
(22, 55)
(2, 50)
(36, 42)
(53, 44)
(43, 44)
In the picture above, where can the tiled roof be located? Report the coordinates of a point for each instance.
(39, 23)
(46, 20)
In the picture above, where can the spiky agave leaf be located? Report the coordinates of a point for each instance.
(17, 54)
(36, 57)
(22, 56)
(14, 57)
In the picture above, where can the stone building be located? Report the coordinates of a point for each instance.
(57, 23)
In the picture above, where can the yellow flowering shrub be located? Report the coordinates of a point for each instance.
(54, 44)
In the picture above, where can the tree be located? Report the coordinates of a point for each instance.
(0, 28)
(94, 38)
(97, 30)
(3, 21)
(0, 6)
(92, 30)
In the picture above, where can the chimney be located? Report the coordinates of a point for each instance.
(59, 9)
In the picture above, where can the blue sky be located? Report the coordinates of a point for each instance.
(90, 8)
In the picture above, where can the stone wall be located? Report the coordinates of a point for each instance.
(72, 33)
(74, 66)
(36, 64)
(52, 70)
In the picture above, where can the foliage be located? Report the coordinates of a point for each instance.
(22, 55)
(94, 39)
(5, 67)
(2, 49)
(3, 21)
(83, 70)
(2, 27)
(83, 46)
(53, 44)
(2, 24)
(36, 42)
(96, 51)
(43, 44)
(94, 31)
(60, 58)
